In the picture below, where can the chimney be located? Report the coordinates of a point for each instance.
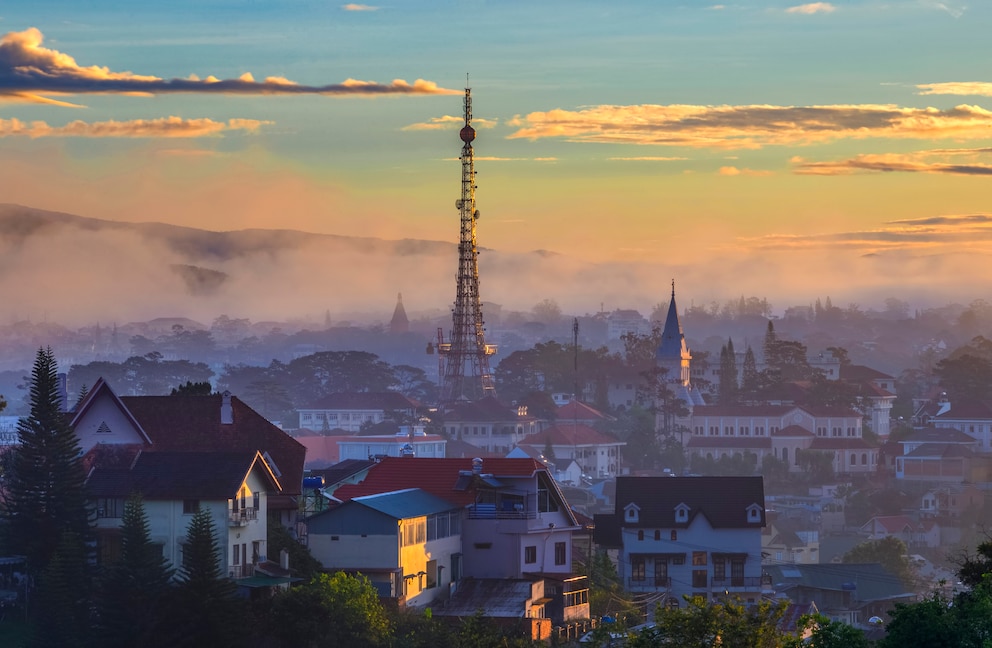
(477, 466)
(418, 430)
(226, 411)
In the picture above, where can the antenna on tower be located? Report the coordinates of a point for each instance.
(463, 362)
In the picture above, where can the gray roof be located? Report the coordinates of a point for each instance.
(408, 503)
(938, 435)
(867, 581)
(499, 597)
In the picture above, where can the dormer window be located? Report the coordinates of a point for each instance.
(632, 513)
(682, 513)
(754, 513)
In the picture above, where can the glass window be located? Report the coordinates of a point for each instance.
(698, 558)
(530, 555)
(561, 553)
(637, 568)
(699, 578)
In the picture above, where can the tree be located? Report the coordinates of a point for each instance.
(301, 561)
(728, 391)
(46, 490)
(818, 465)
(204, 597)
(547, 312)
(330, 610)
(728, 623)
(61, 607)
(826, 633)
(134, 589)
(889, 551)
(750, 377)
(191, 388)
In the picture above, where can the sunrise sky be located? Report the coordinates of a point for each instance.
(760, 147)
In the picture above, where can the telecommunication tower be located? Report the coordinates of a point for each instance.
(464, 358)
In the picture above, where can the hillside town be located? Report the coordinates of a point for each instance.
(805, 486)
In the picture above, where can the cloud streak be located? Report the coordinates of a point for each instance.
(751, 126)
(887, 163)
(965, 88)
(449, 122)
(165, 127)
(29, 71)
(812, 8)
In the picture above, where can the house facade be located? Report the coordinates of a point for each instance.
(489, 425)
(350, 411)
(598, 454)
(695, 536)
(407, 542)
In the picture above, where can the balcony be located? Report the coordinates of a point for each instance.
(242, 517)
(241, 571)
(736, 583)
(652, 583)
(491, 512)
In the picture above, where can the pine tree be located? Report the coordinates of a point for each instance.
(205, 598)
(46, 496)
(61, 608)
(134, 589)
(750, 378)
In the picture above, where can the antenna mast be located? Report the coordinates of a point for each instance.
(464, 363)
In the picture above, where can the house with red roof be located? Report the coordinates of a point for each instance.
(183, 453)
(598, 454)
(489, 425)
(514, 521)
(915, 533)
(782, 431)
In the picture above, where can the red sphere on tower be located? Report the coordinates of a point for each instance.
(467, 134)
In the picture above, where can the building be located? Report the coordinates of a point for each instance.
(489, 425)
(350, 411)
(514, 521)
(674, 358)
(190, 423)
(407, 542)
(695, 536)
(409, 440)
(598, 454)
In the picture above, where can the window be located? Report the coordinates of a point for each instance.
(699, 578)
(678, 559)
(661, 572)
(637, 568)
(256, 500)
(432, 576)
(698, 558)
(657, 534)
(674, 535)
(640, 534)
(561, 551)
(236, 555)
(719, 569)
(530, 555)
(190, 506)
(737, 572)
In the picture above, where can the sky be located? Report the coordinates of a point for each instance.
(773, 148)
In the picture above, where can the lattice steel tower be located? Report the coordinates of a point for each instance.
(464, 360)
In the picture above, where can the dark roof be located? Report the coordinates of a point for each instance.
(388, 400)
(568, 433)
(342, 470)
(412, 502)
(872, 581)
(938, 435)
(723, 500)
(942, 450)
(861, 373)
(192, 424)
(967, 410)
(177, 475)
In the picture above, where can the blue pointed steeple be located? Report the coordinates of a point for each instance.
(672, 347)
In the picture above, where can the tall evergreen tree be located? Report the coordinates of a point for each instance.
(750, 377)
(61, 608)
(46, 496)
(134, 589)
(729, 391)
(205, 599)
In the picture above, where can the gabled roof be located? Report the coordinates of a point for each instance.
(180, 475)
(723, 500)
(942, 450)
(388, 400)
(892, 524)
(101, 389)
(570, 434)
(576, 411)
(185, 423)
(342, 470)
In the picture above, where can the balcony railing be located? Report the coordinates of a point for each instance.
(649, 582)
(491, 512)
(241, 571)
(242, 517)
(737, 582)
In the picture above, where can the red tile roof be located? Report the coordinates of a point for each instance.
(574, 410)
(436, 476)
(861, 373)
(567, 433)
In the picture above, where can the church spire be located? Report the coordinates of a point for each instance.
(672, 352)
(399, 323)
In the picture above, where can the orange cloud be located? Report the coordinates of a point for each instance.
(359, 7)
(888, 163)
(29, 72)
(971, 88)
(812, 8)
(449, 121)
(166, 127)
(734, 171)
(753, 126)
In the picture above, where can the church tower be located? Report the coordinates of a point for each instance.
(399, 323)
(673, 354)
